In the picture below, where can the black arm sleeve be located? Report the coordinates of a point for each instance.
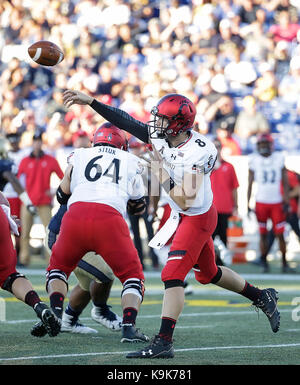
(122, 120)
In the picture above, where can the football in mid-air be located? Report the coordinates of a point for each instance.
(45, 53)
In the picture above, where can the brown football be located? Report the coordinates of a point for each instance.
(45, 53)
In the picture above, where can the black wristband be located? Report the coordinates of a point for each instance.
(168, 185)
(62, 197)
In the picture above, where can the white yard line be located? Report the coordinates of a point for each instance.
(217, 313)
(55, 356)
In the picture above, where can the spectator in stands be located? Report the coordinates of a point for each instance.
(37, 169)
(285, 29)
(282, 60)
(221, 111)
(230, 145)
(212, 34)
(289, 87)
(247, 11)
(227, 40)
(257, 44)
(265, 88)
(249, 123)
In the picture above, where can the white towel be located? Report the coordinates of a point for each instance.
(12, 223)
(165, 233)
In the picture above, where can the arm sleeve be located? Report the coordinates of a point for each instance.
(122, 120)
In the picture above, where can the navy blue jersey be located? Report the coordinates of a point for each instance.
(6, 165)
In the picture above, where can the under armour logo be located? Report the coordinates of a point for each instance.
(149, 352)
(173, 156)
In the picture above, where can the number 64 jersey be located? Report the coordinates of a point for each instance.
(107, 175)
(267, 175)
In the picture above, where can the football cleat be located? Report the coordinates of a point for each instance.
(49, 322)
(267, 302)
(38, 330)
(106, 317)
(72, 325)
(131, 334)
(158, 348)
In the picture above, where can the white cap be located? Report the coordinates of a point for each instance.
(218, 83)
(225, 23)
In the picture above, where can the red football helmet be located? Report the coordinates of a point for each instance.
(173, 115)
(265, 144)
(112, 135)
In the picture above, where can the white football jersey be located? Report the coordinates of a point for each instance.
(267, 175)
(196, 155)
(105, 175)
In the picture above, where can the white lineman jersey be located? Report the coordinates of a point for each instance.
(107, 175)
(267, 175)
(195, 156)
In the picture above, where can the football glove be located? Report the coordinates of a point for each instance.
(136, 206)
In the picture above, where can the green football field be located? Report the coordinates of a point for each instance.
(217, 327)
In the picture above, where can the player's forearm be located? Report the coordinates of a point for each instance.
(122, 120)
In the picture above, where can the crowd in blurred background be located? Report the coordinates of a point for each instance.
(237, 60)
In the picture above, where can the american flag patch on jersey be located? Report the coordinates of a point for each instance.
(197, 168)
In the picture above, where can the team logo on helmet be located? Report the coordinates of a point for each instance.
(173, 115)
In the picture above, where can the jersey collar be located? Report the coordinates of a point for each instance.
(185, 142)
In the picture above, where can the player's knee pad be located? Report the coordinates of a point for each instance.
(217, 277)
(10, 280)
(173, 283)
(56, 274)
(134, 286)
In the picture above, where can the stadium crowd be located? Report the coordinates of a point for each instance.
(238, 61)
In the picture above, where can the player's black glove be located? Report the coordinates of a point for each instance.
(136, 206)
